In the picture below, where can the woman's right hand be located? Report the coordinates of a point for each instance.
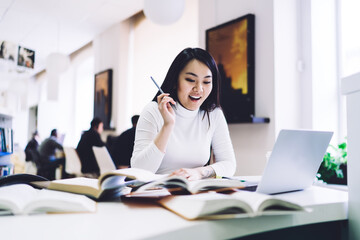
(167, 112)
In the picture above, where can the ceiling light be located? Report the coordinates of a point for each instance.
(164, 12)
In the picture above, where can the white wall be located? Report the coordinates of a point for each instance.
(318, 86)
(58, 112)
(137, 49)
(66, 113)
(295, 70)
(84, 95)
(287, 61)
(111, 51)
(325, 115)
(251, 141)
(155, 47)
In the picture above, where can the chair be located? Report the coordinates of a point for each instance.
(44, 168)
(73, 164)
(103, 159)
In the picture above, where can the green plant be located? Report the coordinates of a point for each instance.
(334, 164)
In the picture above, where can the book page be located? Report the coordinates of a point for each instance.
(15, 197)
(166, 182)
(206, 205)
(134, 173)
(79, 181)
(279, 206)
(192, 186)
(212, 183)
(266, 203)
(55, 201)
(80, 185)
(254, 199)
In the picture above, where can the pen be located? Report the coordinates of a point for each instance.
(172, 105)
(241, 180)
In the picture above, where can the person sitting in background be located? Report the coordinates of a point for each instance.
(49, 157)
(32, 145)
(123, 145)
(84, 149)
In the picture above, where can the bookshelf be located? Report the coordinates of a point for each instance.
(6, 133)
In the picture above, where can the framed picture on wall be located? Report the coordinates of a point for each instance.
(103, 97)
(232, 45)
(26, 57)
(8, 50)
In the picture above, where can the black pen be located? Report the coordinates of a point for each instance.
(172, 105)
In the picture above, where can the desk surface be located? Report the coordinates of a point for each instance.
(143, 221)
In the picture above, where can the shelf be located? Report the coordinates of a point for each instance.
(4, 154)
(251, 119)
(260, 120)
(6, 167)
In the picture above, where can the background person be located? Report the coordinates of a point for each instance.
(123, 145)
(84, 149)
(32, 145)
(49, 157)
(179, 140)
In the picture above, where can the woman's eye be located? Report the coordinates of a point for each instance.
(207, 82)
(189, 80)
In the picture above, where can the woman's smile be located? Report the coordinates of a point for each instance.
(194, 85)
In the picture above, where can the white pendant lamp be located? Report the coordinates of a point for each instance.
(57, 63)
(164, 12)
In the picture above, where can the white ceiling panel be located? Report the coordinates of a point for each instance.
(46, 26)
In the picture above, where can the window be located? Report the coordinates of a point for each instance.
(350, 37)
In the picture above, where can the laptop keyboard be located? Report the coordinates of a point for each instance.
(249, 188)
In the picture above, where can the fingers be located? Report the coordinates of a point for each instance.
(188, 173)
(165, 98)
(181, 172)
(162, 97)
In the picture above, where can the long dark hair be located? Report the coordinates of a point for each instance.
(170, 83)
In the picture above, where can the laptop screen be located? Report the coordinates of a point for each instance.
(294, 161)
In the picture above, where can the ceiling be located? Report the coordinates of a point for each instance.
(47, 26)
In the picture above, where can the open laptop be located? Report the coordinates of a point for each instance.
(294, 161)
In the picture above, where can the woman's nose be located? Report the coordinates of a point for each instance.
(198, 87)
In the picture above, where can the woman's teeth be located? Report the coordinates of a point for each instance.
(195, 98)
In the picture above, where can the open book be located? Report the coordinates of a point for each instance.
(24, 199)
(108, 186)
(236, 205)
(116, 183)
(180, 185)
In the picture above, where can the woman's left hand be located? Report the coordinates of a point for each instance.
(195, 173)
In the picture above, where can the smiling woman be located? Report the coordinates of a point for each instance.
(179, 140)
(195, 85)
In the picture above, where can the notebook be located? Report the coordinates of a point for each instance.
(294, 161)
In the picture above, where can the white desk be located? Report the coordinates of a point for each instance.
(139, 221)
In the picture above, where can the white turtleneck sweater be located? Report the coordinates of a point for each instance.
(189, 143)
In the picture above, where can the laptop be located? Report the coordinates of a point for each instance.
(294, 161)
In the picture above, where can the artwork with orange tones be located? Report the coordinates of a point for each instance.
(26, 57)
(232, 46)
(102, 97)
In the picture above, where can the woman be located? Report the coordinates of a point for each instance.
(178, 139)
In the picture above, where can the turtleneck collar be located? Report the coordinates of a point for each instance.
(185, 113)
